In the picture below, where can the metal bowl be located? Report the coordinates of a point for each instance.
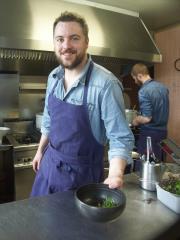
(90, 200)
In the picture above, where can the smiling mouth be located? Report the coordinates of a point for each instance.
(68, 52)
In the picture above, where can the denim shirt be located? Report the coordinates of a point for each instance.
(154, 102)
(105, 106)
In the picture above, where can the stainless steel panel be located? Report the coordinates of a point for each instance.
(112, 33)
(9, 90)
(24, 178)
(9, 94)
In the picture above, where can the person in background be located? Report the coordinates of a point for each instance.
(84, 109)
(153, 99)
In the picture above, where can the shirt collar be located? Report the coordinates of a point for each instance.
(147, 82)
(82, 76)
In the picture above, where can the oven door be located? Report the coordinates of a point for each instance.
(7, 182)
(24, 178)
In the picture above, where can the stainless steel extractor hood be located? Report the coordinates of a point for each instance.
(26, 31)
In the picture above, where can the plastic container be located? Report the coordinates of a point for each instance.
(130, 115)
(39, 120)
(171, 200)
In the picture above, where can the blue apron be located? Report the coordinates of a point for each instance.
(73, 156)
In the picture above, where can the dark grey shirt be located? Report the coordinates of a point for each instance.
(154, 102)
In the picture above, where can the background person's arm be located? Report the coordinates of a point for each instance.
(139, 120)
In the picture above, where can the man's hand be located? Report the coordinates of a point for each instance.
(39, 154)
(114, 182)
(116, 172)
(140, 120)
(36, 161)
(135, 122)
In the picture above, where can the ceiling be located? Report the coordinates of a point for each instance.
(156, 14)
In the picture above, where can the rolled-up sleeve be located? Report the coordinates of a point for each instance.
(120, 136)
(145, 104)
(45, 127)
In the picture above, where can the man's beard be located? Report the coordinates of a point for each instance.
(78, 60)
(139, 83)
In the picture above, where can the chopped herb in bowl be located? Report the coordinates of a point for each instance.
(99, 203)
(172, 186)
(107, 203)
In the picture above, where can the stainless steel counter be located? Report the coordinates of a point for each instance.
(56, 217)
(145, 214)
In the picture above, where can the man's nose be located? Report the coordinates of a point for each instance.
(66, 43)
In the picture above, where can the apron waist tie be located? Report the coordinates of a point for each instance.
(60, 157)
(64, 166)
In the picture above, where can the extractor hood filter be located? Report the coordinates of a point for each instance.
(20, 54)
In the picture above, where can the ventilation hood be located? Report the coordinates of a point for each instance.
(26, 30)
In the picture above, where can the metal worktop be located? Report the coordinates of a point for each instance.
(56, 217)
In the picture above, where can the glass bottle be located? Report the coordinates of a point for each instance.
(150, 154)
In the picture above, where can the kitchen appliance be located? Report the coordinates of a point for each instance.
(24, 43)
(9, 94)
(25, 140)
(7, 182)
(150, 174)
(151, 170)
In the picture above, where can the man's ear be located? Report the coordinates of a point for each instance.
(139, 76)
(87, 40)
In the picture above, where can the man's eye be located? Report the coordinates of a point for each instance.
(75, 38)
(60, 40)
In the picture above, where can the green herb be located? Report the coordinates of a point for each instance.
(172, 186)
(107, 203)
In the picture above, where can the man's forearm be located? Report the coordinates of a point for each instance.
(141, 120)
(117, 167)
(43, 143)
(116, 172)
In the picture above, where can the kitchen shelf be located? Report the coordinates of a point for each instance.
(32, 86)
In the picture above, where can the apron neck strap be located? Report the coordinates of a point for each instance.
(88, 75)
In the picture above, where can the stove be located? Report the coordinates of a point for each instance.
(24, 138)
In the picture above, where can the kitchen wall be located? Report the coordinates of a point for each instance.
(168, 41)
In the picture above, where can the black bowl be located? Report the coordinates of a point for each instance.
(90, 201)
